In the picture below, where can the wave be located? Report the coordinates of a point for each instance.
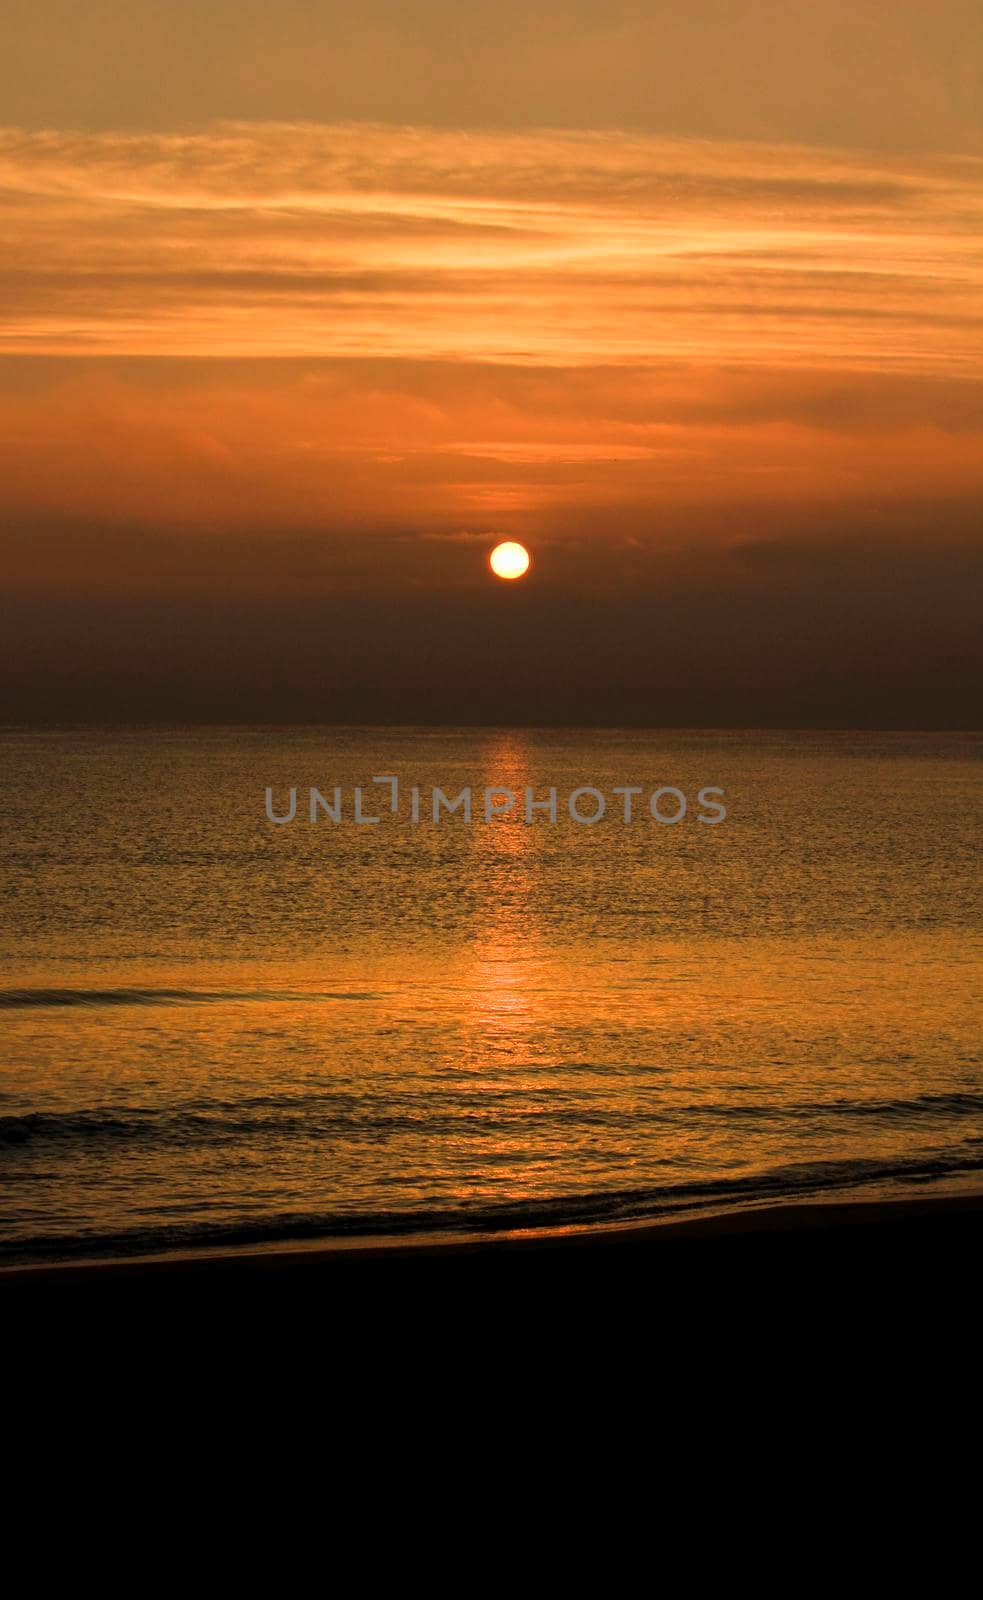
(333, 1112)
(794, 1182)
(17, 999)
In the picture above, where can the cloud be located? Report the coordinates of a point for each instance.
(303, 359)
(177, 455)
(538, 248)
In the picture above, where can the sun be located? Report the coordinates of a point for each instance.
(509, 560)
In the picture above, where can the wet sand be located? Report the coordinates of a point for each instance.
(933, 1236)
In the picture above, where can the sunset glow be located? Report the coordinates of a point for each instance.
(715, 351)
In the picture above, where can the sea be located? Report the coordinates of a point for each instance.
(219, 1030)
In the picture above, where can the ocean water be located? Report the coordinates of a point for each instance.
(217, 1030)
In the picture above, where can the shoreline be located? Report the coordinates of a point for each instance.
(843, 1225)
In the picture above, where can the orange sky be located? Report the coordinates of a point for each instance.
(269, 355)
(676, 321)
